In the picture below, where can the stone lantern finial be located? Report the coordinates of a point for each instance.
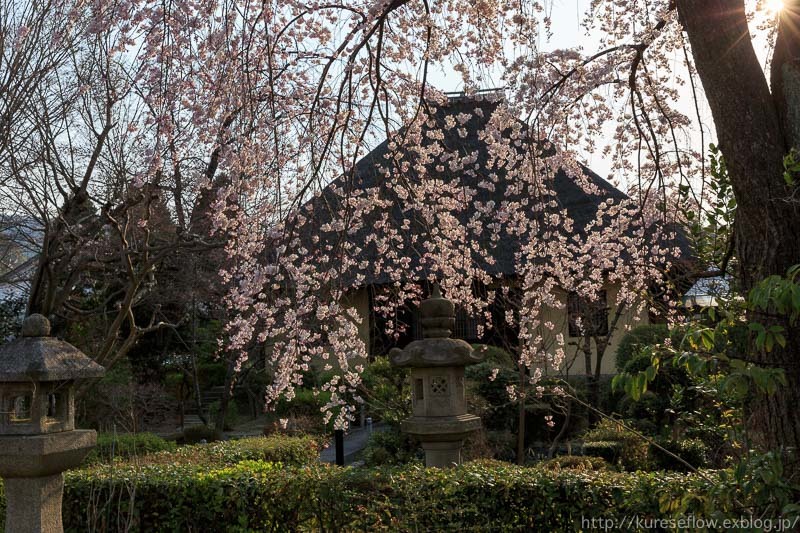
(36, 325)
(437, 315)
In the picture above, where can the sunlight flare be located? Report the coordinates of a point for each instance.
(774, 7)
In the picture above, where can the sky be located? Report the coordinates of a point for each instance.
(567, 32)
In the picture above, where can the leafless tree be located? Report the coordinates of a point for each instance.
(69, 157)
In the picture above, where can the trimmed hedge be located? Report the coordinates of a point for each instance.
(609, 451)
(146, 448)
(495, 355)
(275, 448)
(611, 441)
(255, 495)
(124, 446)
(197, 464)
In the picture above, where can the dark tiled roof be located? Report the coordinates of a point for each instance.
(580, 206)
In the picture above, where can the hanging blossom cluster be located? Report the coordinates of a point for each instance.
(275, 104)
(418, 209)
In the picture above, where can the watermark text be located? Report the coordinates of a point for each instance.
(690, 522)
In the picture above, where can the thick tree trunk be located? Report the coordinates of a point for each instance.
(755, 129)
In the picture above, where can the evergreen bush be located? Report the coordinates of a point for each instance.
(693, 451)
(199, 433)
(575, 462)
(124, 446)
(639, 337)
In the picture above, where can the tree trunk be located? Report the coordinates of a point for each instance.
(592, 390)
(230, 378)
(755, 129)
(563, 431)
(521, 416)
(198, 397)
(601, 345)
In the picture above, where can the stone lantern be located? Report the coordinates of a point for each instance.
(38, 439)
(439, 405)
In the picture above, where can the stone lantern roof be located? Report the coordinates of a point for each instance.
(38, 357)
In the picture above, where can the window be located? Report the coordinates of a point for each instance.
(587, 317)
(419, 390)
(54, 405)
(466, 325)
(395, 330)
(21, 408)
(439, 386)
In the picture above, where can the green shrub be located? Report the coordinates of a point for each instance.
(479, 496)
(501, 414)
(607, 450)
(693, 451)
(607, 430)
(304, 403)
(632, 450)
(502, 445)
(196, 434)
(387, 392)
(495, 355)
(389, 448)
(646, 335)
(720, 449)
(649, 412)
(124, 446)
(575, 462)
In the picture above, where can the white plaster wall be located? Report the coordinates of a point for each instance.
(359, 300)
(629, 318)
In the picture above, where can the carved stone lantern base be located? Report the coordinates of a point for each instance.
(32, 469)
(443, 454)
(35, 504)
(442, 437)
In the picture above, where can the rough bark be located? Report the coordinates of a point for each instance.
(756, 127)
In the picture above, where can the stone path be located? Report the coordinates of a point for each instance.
(355, 440)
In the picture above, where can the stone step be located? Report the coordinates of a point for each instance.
(192, 420)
